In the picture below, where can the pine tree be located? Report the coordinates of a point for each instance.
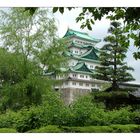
(112, 55)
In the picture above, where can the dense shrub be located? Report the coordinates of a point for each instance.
(88, 129)
(99, 117)
(86, 112)
(9, 119)
(7, 130)
(125, 128)
(122, 116)
(103, 129)
(47, 129)
(116, 99)
(113, 94)
(30, 119)
(136, 117)
(82, 110)
(50, 113)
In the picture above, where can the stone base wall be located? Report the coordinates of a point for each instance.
(70, 94)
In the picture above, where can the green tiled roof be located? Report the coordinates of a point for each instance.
(67, 53)
(90, 55)
(81, 67)
(80, 46)
(85, 58)
(89, 60)
(71, 32)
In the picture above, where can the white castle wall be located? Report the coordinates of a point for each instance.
(91, 65)
(78, 85)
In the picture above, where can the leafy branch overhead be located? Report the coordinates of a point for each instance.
(89, 15)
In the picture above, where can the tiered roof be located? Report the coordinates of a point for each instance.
(81, 67)
(82, 35)
(73, 44)
(91, 55)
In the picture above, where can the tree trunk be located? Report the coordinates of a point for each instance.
(115, 86)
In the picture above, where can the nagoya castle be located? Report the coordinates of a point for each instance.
(83, 57)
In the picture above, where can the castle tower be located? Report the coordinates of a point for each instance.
(83, 57)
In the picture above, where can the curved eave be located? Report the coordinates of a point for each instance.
(82, 72)
(91, 53)
(80, 46)
(91, 40)
(84, 59)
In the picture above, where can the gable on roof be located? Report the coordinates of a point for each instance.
(91, 54)
(81, 67)
(82, 35)
(88, 58)
(73, 44)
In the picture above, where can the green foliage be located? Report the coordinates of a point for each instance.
(30, 119)
(105, 86)
(121, 116)
(112, 55)
(125, 128)
(7, 130)
(117, 99)
(82, 110)
(50, 113)
(9, 119)
(103, 129)
(88, 129)
(85, 112)
(129, 15)
(60, 9)
(107, 95)
(47, 129)
(27, 44)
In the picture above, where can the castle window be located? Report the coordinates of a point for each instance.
(74, 75)
(97, 85)
(80, 84)
(91, 66)
(87, 85)
(81, 76)
(73, 83)
(66, 83)
(93, 85)
(86, 76)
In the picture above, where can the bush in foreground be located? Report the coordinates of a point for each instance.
(47, 129)
(88, 129)
(7, 130)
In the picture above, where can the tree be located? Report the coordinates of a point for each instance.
(129, 15)
(31, 35)
(112, 55)
(28, 44)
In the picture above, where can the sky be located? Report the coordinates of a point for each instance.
(99, 31)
